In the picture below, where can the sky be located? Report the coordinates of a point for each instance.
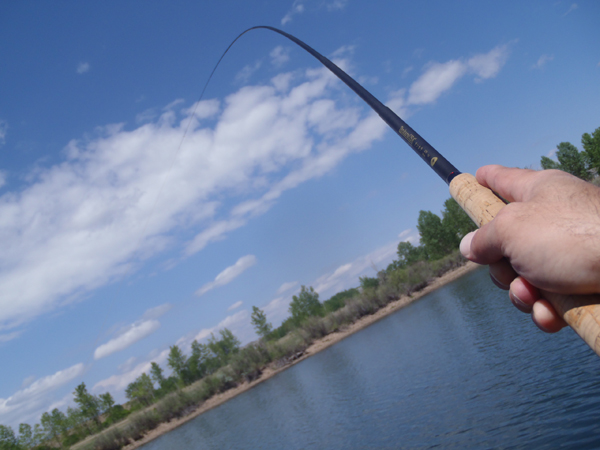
(133, 217)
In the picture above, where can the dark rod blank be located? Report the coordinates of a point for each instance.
(431, 156)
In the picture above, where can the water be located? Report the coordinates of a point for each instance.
(459, 369)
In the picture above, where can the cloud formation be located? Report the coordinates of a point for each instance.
(229, 274)
(440, 77)
(3, 131)
(236, 305)
(31, 401)
(134, 332)
(83, 67)
(542, 61)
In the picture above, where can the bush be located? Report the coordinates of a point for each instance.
(144, 420)
(314, 328)
(172, 405)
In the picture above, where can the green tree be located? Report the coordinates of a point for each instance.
(368, 282)
(571, 160)
(591, 149)
(437, 240)
(339, 300)
(106, 402)
(548, 163)
(223, 348)
(304, 305)
(178, 362)
(141, 390)
(409, 254)
(8, 440)
(259, 321)
(156, 373)
(26, 436)
(89, 404)
(54, 424)
(456, 222)
(199, 363)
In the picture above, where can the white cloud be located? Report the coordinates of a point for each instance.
(229, 274)
(28, 382)
(236, 305)
(286, 287)
(98, 214)
(9, 336)
(346, 276)
(135, 333)
(157, 311)
(489, 64)
(440, 77)
(243, 76)
(3, 131)
(334, 5)
(542, 61)
(30, 402)
(279, 56)
(83, 67)
(297, 8)
(572, 8)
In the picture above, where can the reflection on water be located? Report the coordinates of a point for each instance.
(460, 368)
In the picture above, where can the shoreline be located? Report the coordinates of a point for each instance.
(315, 347)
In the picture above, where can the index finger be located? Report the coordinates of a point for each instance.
(510, 183)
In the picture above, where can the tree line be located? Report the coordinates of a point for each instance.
(584, 164)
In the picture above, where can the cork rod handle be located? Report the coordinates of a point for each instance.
(581, 312)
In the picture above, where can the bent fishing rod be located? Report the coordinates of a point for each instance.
(581, 312)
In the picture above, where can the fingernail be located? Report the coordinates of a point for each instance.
(519, 304)
(544, 329)
(506, 287)
(465, 244)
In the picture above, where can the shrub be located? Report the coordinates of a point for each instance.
(144, 420)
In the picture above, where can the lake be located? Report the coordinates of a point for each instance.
(459, 369)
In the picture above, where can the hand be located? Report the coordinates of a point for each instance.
(547, 237)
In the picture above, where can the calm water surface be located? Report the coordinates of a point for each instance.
(461, 368)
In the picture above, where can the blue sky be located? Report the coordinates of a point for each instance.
(119, 240)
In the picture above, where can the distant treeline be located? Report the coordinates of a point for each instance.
(220, 363)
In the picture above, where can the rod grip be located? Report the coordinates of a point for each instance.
(581, 312)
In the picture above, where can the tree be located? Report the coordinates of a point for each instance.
(141, 390)
(199, 361)
(156, 373)
(89, 404)
(368, 282)
(437, 240)
(106, 402)
(339, 300)
(8, 440)
(409, 254)
(571, 160)
(305, 304)
(259, 321)
(178, 362)
(591, 149)
(223, 348)
(456, 222)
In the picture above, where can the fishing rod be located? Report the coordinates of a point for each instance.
(581, 312)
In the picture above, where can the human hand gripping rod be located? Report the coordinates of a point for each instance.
(581, 312)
